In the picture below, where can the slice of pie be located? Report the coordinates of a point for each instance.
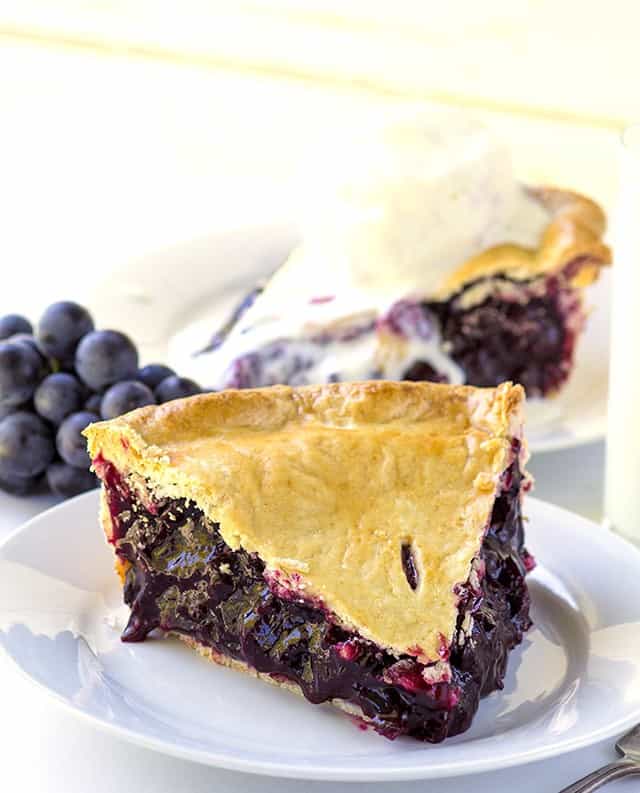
(358, 543)
(428, 260)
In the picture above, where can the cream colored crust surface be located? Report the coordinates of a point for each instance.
(326, 483)
(573, 235)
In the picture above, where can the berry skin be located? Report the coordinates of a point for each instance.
(153, 374)
(175, 387)
(105, 357)
(20, 485)
(57, 396)
(93, 404)
(20, 373)
(70, 442)
(6, 410)
(30, 341)
(125, 396)
(61, 327)
(66, 481)
(11, 324)
(26, 445)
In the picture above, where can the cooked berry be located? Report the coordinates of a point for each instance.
(26, 445)
(410, 319)
(530, 343)
(125, 396)
(67, 481)
(62, 326)
(153, 374)
(11, 324)
(20, 373)
(93, 404)
(175, 387)
(105, 357)
(421, 370)
(57, 396)
(70, 442)
(20, 485)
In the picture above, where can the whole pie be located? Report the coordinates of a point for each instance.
(427, 260)
(357, 543)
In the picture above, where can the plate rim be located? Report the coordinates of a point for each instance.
(299, 770)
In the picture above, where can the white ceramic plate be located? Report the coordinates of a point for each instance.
(575, 680)
(173, 301)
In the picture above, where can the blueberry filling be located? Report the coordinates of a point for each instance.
(421, 371)
(183, 578)
(524, 331)
(236, 315)
(530, 342)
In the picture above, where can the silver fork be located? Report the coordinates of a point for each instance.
(628, 747)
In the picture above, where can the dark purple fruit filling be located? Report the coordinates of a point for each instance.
(221, 334)
(184, 579)
(525, 333)
(421, 371)
(530, 342)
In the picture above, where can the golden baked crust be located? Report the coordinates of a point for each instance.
(326, 483)
(574, 235)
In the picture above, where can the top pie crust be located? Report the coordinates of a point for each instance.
(326, 483)
(573, 237)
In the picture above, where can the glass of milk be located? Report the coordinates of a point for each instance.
(622, 487)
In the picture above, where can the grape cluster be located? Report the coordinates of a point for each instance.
(54, 381)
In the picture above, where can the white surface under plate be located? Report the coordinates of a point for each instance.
(574, 681)
(173, 301)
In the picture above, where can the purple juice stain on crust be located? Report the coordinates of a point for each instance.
(185, 579)
(409, 565)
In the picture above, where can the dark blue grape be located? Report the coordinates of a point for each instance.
(105, 357)
(7, 410)
(125, 396)
(29, 341)
(93, 404)
(174, 387)
(70, 441)
(67, 481)
(153, 374)
(57, 396)
(20, 485)
(20, 373)
(11, 324)
(62, 326)
(26, 445)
